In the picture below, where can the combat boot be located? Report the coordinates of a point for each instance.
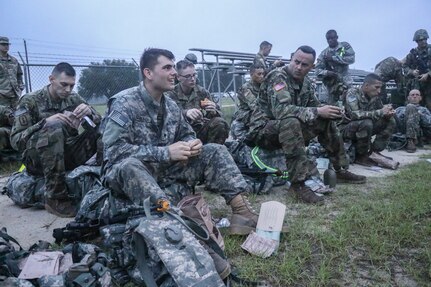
(411, 146)
(61, 207)
(305, 194)
(244, 218)
(222, 265)
(345, 176)
(364, 160)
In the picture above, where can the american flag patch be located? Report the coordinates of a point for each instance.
(278, 87)
(119, 118)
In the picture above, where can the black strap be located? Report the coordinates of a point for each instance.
(141, 253)
(8, 238)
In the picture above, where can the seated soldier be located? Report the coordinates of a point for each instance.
(199, 108)
(413, 120)
(45, 130)
(247, 96)
(365, 116)
(147, 141)
(288, 115)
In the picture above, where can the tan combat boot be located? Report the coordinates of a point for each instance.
(305, 194)
(244, 218)
(411, 146)
(61, 207)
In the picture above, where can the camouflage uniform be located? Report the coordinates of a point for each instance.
(11, 85)
(286, 117)
(136, 137)
(392, 69)
(247, 96)
(341, 57)
(51, 150)
(419, 59)
(212, 128)
(414, 121)
(364, 118)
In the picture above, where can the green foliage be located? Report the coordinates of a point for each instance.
(107, 78)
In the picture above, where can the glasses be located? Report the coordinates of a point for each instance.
(188, 77)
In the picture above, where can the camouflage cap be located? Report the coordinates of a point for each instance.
(420, 35)
(4, 40)
(192, 58)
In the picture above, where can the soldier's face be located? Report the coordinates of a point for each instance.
(373, 89)
(300, 65)
(266, 51)
(414, 97)
(61, 85)
(258, 76)
(187, 77)
(162, 76)
(332, 39)
(422, 43)
(4, 48)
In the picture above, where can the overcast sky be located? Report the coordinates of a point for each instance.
(93, 30)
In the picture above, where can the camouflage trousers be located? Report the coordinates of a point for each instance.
(293, 136)
(412, 123)
(214, 130)
(215, 167)
(4, 138)
(55, 149)
(361, 131)
(238, 130)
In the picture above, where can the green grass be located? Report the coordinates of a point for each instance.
(359, 237)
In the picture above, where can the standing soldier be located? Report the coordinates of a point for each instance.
(260, 58)
(11, 86)
(199, 108)
(418, 66)
(332, 66)
(392, 69)
(45, 130)
(247, 96)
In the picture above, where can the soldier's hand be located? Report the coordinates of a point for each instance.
(60, 117)
(82, 110)
(195, 147)
(329, 112)
(194, 114)
(423, 77)
(328, 58)
(388, 110)
(415, 73)
(179, 151)
(210, 106)
(278, 63)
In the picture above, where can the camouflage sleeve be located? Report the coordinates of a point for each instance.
(119, 137)
(355, 113)
(249, 98)
(425, 117)
(19, 77)
(344, 55)
(320, 67)
(6, 116)
(282, 105)
(185, 131)
(409, 66)
(24, 125)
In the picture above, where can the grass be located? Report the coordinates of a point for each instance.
(363, 236)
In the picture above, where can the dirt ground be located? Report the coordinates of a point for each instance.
(30, 225)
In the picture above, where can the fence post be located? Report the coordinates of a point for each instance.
(24, 64)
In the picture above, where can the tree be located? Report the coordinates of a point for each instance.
(107, 78)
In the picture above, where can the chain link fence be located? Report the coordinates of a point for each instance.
(95, 83)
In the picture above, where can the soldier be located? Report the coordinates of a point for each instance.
(45, 130)
(418, 66)
(247, 96)
(199, 108)
(191, 58)
(288, 115)
(392, 69)
(147, 140)
(413, 120)
(367, 116)
(333, 66)
(11, 86)
(260, 58)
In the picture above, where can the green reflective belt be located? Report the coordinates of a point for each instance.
(260, 164)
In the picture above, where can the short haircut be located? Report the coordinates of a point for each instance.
(307, 50)
(183, 64)
(151, 55)
(332, 31)
(63, 67)
(254, 67)
(372, 78)
(265, 44)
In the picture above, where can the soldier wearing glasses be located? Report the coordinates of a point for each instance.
(199, 108)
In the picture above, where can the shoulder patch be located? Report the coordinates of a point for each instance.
(20, 111)
(119, 118)
(279, 86)
(347, 45)
(351, 98)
